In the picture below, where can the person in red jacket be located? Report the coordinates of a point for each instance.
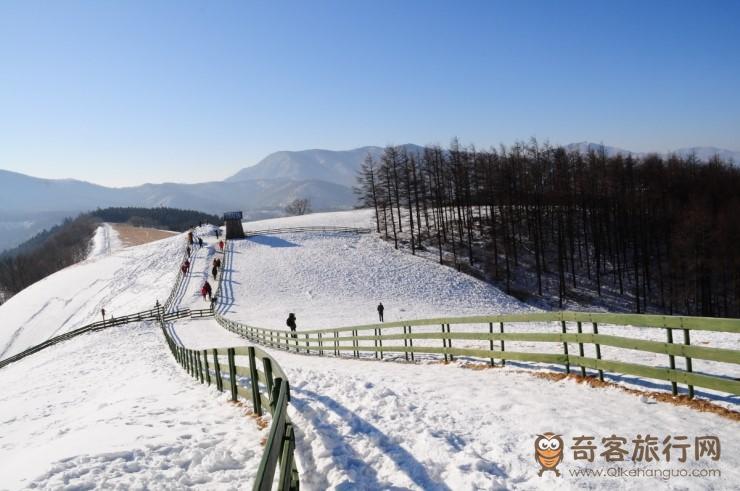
(221, 245)
(206, 291)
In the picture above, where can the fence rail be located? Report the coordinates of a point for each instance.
(374, 340)
(236, 370)
(287, 230)
(152, 314)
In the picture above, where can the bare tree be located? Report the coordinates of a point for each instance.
(299, 206)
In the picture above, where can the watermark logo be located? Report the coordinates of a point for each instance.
(614, 450)
(548, 452)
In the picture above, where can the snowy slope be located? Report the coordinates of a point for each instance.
(112, 410)
(360, 424)
(126, 281)
(375, 425)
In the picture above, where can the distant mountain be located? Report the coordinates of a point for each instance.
(585, 147)
(337, 166)
(706, 153)
(29, 204)
(702, 153)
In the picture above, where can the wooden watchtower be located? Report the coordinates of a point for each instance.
(233, 224)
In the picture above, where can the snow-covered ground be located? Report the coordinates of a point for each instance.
(126, 281)
(105, 241)
(360, 424)
(112, 410)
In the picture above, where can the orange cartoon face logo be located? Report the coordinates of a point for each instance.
(548, 452)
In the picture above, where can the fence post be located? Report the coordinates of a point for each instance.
(308, 350)
(205, 362)
(256, 401)
(336, 343)
(503, 345)
(200, 366)
(580, 349)
(232, 374)
(444, 343)
(687, 342)
(672, 361)
(565, 348)
(490, 341)
(405, 344)
(411, 345)
(375, 341)
(321, 345)
(380, 341)
(356, 343)
(217, 371)
(449, 343)
(598, 351)
(267, 366)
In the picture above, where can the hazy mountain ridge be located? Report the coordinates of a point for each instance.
(337, 166)
(30, 204)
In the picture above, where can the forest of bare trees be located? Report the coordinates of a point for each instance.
(654, 234)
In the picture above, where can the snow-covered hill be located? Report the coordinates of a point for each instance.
(113, 409)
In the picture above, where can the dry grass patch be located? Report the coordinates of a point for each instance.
(132, 236)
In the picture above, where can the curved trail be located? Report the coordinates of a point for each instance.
(376, 425)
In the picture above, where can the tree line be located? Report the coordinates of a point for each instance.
(659, 234)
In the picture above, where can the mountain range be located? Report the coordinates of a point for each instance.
(30, 204)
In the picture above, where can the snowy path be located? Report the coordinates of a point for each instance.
(382, 425)
(105, 241)
(113, 410)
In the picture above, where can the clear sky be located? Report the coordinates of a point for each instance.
(126, 92)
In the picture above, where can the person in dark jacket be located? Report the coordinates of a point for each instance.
(291, 324)
(214, 272)
(214, 299)
(380, 311)
(200, 242)
(102, 311)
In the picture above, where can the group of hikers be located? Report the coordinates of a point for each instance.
(206, 289)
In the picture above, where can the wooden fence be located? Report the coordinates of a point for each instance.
(152, 314)
(374, 340)
(289, 230)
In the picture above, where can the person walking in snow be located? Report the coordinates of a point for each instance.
(217, 232)
(102, 311)
(213, 302)
(290, 322)
(187, 251)
(214, 272)
(206, 290)
(380, 311)
(221, 245)
(200, 242)
(190, 237)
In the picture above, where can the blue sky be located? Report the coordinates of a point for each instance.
(126, 92)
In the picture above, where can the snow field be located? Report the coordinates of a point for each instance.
(113, 410)
(126, 281)
(330, 280)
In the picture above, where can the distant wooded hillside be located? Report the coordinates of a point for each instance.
(68, 243)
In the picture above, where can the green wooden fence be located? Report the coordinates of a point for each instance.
(152, 314)
(249, 373)
(373, 340)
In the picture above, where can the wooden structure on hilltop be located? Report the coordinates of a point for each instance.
(233, 224)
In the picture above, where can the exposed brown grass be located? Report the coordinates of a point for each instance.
(680, 400)
(700, 405)
(131, 236)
